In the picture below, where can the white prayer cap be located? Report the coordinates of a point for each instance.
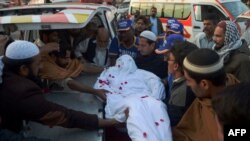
(148, 35)
(21, 50)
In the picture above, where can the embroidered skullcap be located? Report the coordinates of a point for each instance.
(148, 35)
(18, 50)
(203, 61)
(21, 50)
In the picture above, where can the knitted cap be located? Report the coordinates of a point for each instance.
(21, 50)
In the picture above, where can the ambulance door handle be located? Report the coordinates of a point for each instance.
(197, 27)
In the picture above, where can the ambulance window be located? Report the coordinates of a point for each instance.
(236, 7)
(146, 8)
(159, 7)
(201, 11)
(168, 10)
(182, 11)
(97, 20)
(134, 7)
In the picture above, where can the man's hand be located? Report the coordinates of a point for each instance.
(49, 47)
(102, 94)
(126, 113)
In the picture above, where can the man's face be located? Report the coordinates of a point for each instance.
(124, 35)
(145, 48)
(102, 42)
(196, 88)
(53, 37)
(219, 37)
(172, 65)
(63, 61)
(208, 27)
(153, 12)
(140, 25)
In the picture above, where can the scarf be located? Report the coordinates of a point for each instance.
(232, 41)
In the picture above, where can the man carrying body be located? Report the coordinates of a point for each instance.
(126, 43)
(148, 59)
(21, 98)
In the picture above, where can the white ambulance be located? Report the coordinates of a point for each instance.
(190, 12)
(29, 20)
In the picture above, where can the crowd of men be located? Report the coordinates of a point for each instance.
(207, 79)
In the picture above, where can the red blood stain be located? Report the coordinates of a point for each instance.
(156, 123)
(144, 96)
(145, 135)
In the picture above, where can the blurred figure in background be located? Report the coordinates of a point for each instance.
(246, 34)
(141, 24)
(156, 25)
(95, 50)
(205, 38)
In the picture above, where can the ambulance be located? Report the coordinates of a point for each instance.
(123, 7)
(190, 12)
(29, 20)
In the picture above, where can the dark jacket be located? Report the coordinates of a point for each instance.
(153, 63)
(180, 99)
(238, 63)
(159, 26)
(21, 99)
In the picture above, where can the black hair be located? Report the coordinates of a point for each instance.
(10, 40)
(180, 50)
(64, 47)
(206, 57)
(153, 7)
(92, 27)
(212, 18)
(232, 105)
(143, 18)
(13, 65)
(43, 34)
